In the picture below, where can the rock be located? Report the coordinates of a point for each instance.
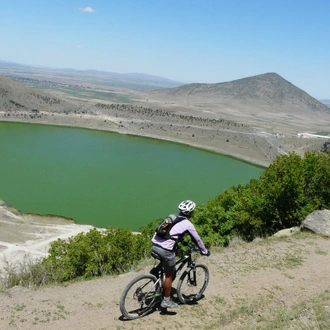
(318, 222)
(326, 147)
(287, 232)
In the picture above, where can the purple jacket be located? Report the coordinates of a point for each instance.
(178, 231)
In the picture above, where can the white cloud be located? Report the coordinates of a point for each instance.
(87, 10)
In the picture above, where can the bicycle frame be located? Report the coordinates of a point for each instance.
(185, 260)
(158, 292)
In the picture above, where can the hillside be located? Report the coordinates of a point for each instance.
(254, 119)
(266, 89)
(271, 284)
(266, 101)
(18, 99)
(275, 283)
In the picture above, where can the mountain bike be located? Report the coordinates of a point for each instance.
(144, 292)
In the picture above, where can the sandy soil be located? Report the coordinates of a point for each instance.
(250, 285)
(27, 235)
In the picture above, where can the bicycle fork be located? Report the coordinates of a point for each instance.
(191, 278)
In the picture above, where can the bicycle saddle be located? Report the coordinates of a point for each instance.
(155, 255)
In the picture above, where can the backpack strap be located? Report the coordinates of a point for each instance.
(175, 221)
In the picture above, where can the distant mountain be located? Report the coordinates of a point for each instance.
(326, 102)
(139, 81)
(267, 91)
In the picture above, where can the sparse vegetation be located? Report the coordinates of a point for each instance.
(251, 315)
(88, 93)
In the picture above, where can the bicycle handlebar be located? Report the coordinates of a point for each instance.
(193, 247)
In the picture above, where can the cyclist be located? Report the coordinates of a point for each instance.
(166, 247)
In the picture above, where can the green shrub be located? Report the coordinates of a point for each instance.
(213, 224)
(96, 253)
(289, 189)
(293, 187)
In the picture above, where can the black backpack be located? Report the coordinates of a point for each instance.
(163, 229)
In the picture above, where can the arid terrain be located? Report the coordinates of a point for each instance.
(251, 284)
(268, 284)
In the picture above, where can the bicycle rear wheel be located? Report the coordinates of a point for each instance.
(193, 283)
(139, 296)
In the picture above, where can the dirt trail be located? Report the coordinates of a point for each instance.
(248, 284)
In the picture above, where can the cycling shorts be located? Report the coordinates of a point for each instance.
(168, 258)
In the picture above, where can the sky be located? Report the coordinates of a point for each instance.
(203, 41)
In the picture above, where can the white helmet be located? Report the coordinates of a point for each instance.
(186, 207)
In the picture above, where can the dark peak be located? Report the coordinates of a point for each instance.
(270, 78)
(268, 88)
(262, 80)
(264, 76)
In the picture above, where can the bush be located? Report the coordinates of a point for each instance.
(28, 273)
(288, 190)
(213, 224)
(293, 187)
(96, 253)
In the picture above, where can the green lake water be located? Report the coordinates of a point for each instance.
(108, 179)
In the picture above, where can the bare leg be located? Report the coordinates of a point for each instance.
(167, 302)
(168, 284)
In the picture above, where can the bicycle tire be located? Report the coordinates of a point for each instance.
(192, 283)
(139, 296)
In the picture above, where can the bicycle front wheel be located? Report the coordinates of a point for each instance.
(193, 283)
(139, 296)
